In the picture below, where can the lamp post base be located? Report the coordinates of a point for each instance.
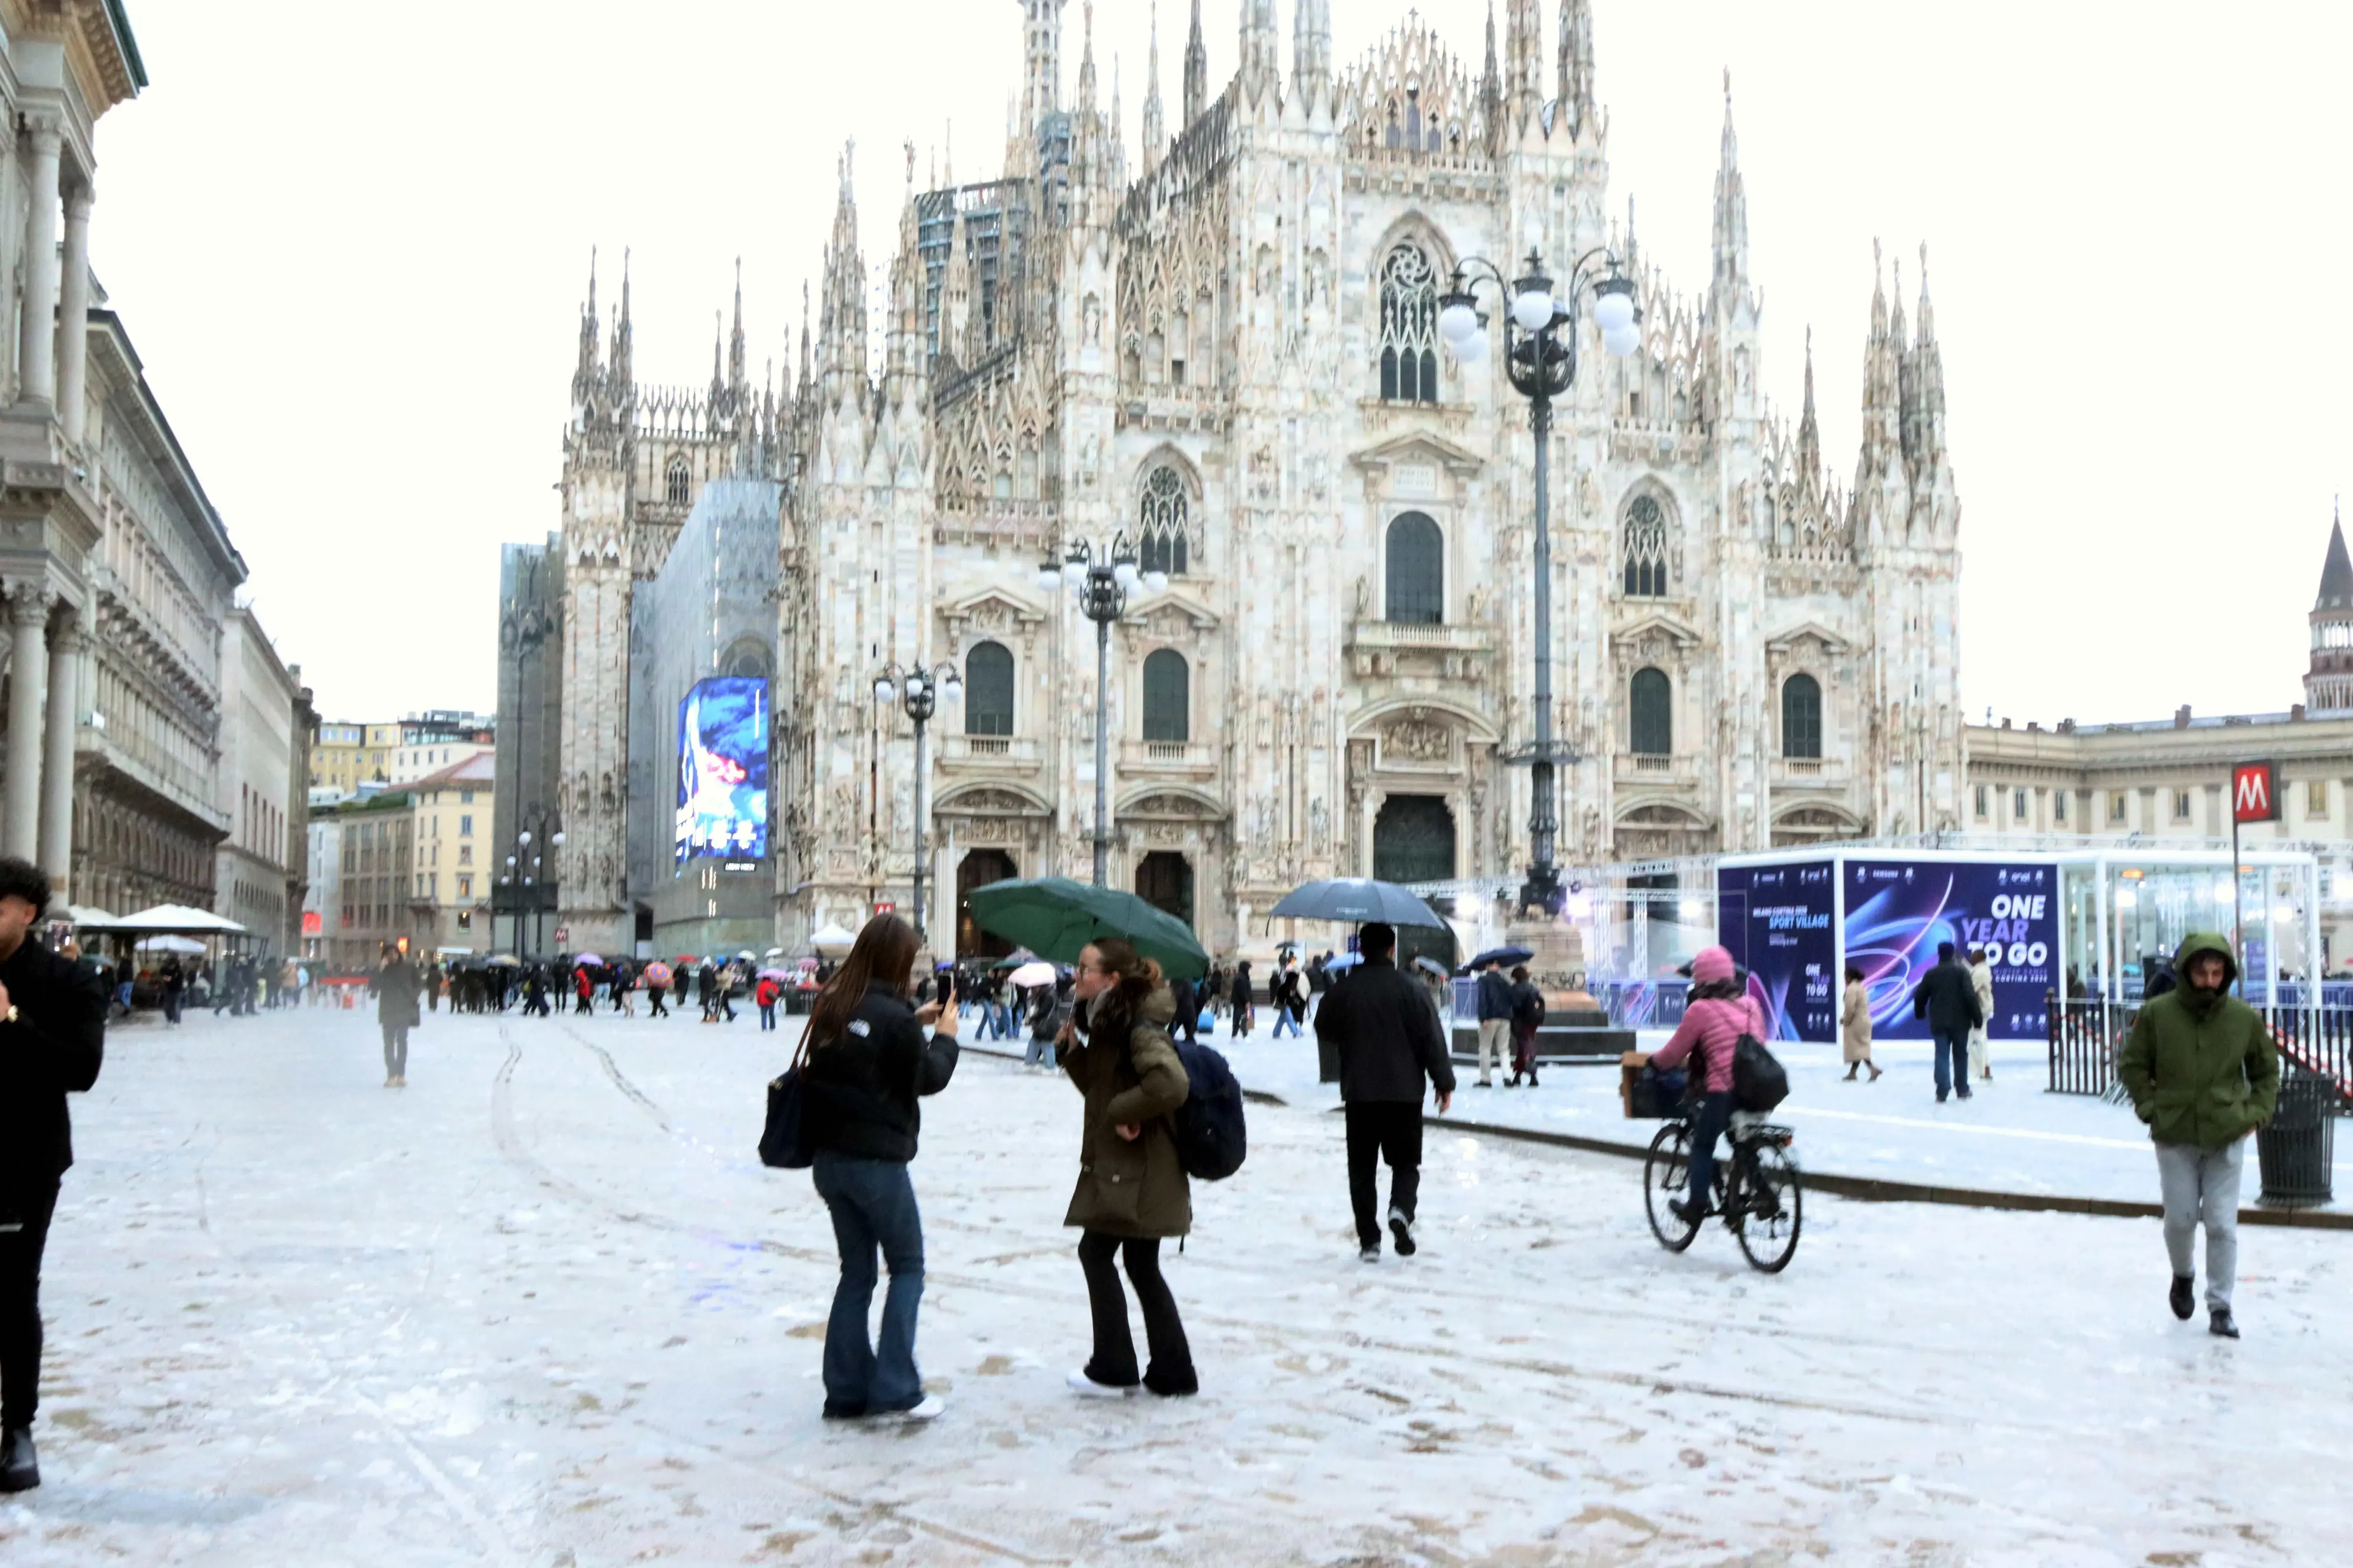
(1542, 893)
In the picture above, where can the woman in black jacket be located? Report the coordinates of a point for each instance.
(868, 1064)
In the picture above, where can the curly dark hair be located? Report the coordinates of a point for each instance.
(28, 881)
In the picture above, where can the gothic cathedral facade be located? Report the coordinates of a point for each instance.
(1227, 358)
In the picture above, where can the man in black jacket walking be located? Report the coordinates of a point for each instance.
(1389, 1040)
(1947, 997)
(52, 1038)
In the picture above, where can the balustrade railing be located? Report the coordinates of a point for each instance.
(2085, 1035)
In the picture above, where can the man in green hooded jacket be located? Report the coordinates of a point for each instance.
(2203, 1073)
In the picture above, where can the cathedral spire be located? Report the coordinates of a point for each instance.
(584, 375)
(1156, 131)
(735, 367)
(1522, 96)
(1261, 61)
(1491, 80)
(1731, 210)
(1809, 431)
(1576, 66)
(1311, 49)
(1197, 73)
(1042, 50)
(1086, 103)
(1932, 364)
(843, 318)
(621, 368)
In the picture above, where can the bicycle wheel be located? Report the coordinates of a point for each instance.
(1666, 1178)
(1772, 1208)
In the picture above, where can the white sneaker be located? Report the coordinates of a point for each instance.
(1087, 1387)
(927, 1408)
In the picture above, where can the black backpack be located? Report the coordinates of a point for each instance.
(1759, 1081)
(1212, 1138)
(1529, 1011)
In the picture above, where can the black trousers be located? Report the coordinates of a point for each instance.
(20, 1302)
(1390, 1128)
(1113, 1362)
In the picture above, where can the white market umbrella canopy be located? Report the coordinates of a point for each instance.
(832, 940)
(88, 915)
(170, 944)
(179, 919)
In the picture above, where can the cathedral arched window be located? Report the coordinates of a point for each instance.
(1161, 524)
(989, 689)
(1801, 717)
(1167, 697)
(1650, 712)
(1408, 326)
(1416, 574)
(676, 483)
(1646, 549)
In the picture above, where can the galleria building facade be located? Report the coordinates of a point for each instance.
(1227, 351)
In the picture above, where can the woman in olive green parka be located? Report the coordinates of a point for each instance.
(2202, 1073)
(1132, 1191)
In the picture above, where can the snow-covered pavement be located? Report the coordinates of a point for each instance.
(543, 1308)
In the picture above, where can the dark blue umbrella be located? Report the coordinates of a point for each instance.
(1356, 899)
(1502, 955)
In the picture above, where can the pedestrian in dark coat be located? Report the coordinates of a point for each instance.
(1132, 1192)
(1947, 997)
(1241, 996)
(1527, 1017)
(52, 1039)
(395, 985)
(868, 1064)
(1390, 1044)
(1188, 1010)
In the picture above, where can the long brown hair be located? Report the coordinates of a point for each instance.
(1115, 1010)
(883, 955)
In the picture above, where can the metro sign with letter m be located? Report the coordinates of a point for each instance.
(2254, 792)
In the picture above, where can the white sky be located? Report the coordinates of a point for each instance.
(350, 242)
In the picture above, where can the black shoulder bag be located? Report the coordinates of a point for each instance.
(783, 1144)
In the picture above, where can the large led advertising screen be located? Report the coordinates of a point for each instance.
(1779, 922)
(1898, 910)
(722, 770)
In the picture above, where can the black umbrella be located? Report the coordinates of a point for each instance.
(1356, 899)
(1502, 955)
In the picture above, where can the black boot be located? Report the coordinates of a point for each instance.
(20, 1469)
(2184, 1302)
(2220, 1324)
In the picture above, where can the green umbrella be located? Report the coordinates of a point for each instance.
(1055, 916)
(1018, 957)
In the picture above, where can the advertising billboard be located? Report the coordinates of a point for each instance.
(1780, 924)
(722, 770)
(1898, 910)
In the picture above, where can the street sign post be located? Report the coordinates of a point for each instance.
(2254, 797)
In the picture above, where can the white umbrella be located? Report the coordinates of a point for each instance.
(1040, 972)
(178, 918)
(170, 944)
(832, 940)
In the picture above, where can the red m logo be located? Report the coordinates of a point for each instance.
(2253, 798)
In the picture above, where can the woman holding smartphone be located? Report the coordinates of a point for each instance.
(868, 1065)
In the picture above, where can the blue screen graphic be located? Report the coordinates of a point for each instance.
(722, 770)
(1778, 921)
(1898, 910)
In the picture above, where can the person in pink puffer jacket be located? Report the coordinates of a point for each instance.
(1719, 1012)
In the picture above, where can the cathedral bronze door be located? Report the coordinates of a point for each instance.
(978, 869)
(1413, 841)
(1165, 880)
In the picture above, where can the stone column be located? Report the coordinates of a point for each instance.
(36, 355)
(29, 684)
(73, 319)
(69, 653)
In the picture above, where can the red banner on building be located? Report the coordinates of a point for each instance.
(2254, 792)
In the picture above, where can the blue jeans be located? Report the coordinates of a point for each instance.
(1715, 1116)
(1283, 1017)
(874, 1205)
(767, 1015)
(1952, 1062)
(1039, 1052)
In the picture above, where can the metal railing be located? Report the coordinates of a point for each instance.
(2085, 1035)
(2319, 1040)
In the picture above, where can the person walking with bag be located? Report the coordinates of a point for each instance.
(1527, 1017)
(394, 984)
(1854, 1027)
(1720, 1011)
(1947, 998)
(867, 1065)
(1390, 1041)
(1981, 982)
(1132, 1193)
(1494, 1021)
(52, 1042)
(2203, 1073)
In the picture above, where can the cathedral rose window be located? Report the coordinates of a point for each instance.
(1408, 327)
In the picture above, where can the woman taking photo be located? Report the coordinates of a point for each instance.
(1132, 1191)
(868, 1064)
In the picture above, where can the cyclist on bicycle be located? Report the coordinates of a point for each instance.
(1719, 1012)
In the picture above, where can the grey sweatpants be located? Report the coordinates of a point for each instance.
(395, 1050)
(2201, 1186)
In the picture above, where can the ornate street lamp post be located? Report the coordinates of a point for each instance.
(921, 689)
(521, 879)
(1102, 578)
(1540, 334)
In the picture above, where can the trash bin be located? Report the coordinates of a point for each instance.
(2298, 1148)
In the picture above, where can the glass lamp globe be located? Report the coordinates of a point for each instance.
(1155, 582)
(884, 689)
(1473, 349)
(1126, 575)
(1624, 341)
(1459, 323)
(557, 841)
(1050, 576)
(1074, 573)
(524, 837)
(952, 687)
(1613, 306)
(1533, 309)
